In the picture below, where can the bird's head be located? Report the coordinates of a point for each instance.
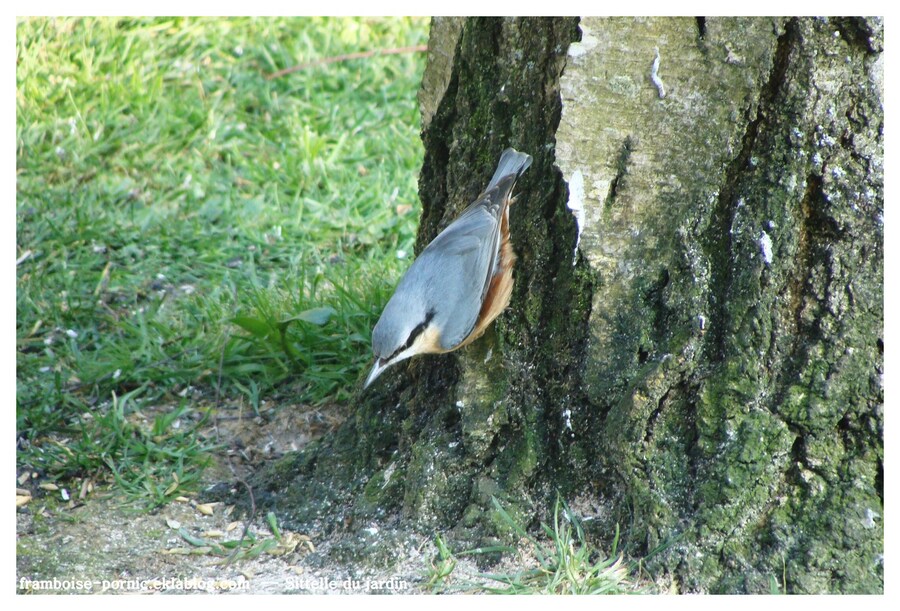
(404, 330)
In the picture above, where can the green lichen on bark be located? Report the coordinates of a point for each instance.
(741, 236)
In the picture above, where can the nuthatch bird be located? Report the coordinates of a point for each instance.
(459, 284)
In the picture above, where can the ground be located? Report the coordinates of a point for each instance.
(94, 539)
(104, 539)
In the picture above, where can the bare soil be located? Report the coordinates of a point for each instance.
(103, 543)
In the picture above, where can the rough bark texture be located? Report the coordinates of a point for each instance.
(708, 374)
(735, 227)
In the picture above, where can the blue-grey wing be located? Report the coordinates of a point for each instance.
(455, 269)
(453, 274)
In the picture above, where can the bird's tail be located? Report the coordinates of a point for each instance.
(512, 162)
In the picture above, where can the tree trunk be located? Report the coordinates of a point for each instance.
(705, 370)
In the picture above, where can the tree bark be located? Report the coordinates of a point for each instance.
(705, 369)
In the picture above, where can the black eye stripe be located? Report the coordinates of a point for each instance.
(413, 334)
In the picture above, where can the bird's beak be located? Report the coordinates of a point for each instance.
(380, 365)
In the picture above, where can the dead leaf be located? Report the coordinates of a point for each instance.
(86, 487)
(206, 508)
(22, 499)
(307, 542)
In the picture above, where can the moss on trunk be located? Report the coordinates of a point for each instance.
(735, 227)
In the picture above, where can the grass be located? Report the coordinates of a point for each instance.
(248, 545)
(560, 560)
(189, 230)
